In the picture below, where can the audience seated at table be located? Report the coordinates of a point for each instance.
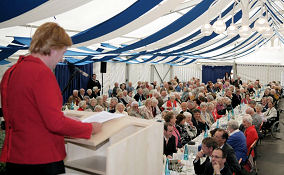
(190, 128)
(119, 109)
(112, 105)
(181, 127)
(92, 104)
(197, 121)
(74, 98)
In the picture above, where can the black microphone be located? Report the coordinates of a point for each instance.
(76, 68)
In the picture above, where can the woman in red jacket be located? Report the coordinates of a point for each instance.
(31, 102)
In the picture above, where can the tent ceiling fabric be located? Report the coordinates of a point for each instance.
(138, 31)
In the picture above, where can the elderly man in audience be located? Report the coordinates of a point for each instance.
(139, 96)
(237, 140)
(218, 164)
(236, 99)
(198, 122)
(252, 104)
(134, 110)
(271, 111)
(250, 132)
(184, 107)
(169, 140)
(221, 137)
(119, 109)
(98, 108)
(164, 96)
(105, 103)
(114, 90)
(171, 118)
(82, 105)
(96, 91)
(146, 110)
(87, 99)
(112, 105)
(129, 87)
(220, 106)
(207, 147)
(92, 104)
(82, 93)
(74, 98)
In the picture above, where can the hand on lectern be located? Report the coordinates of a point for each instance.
(96, 127)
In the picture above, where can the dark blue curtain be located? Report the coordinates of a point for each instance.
(64, 72)
(212, 73)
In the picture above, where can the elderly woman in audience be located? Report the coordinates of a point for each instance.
(212, 111)
(155, 109)
(264, 104)
(185, 94)
(271, 111)
(171, 103)
(146, 110)
(92, 104)
(87, 99)
(258, 111)
(247, 99)
(82, 105)
(134, 110)
(221, 109)
(120, 99)
(171, 118)
(205, 115)
(119, 109)
(198, 122)
(105, 103)
(98, 108)
(250, 132)
(181, 127)
(190, 128)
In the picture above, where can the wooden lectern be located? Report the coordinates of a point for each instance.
(125, 146)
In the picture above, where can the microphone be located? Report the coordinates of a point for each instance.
(76, 68)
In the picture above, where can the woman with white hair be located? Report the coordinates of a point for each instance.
(92, 104)
(250, 132)
(190, 128)
(119, 109)
(134, 110)
(146, 110)
(155, 109)
(82, 105)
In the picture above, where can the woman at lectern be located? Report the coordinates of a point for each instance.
(31, 102)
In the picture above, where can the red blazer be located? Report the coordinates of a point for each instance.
(35, 125)
(169, 104)
(251, 136)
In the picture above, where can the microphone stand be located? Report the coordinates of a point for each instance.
(69, 81)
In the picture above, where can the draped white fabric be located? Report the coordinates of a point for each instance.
(265, 73)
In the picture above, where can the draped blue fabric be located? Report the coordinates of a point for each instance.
(212, 73)
(13, 8)
(130, 14)
(63, 73)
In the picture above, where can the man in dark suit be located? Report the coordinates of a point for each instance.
(94, 82)
(236, 100)
(169, 140)
(238, 82)
(217, 165)
(208, 145)
(221, 137)
(139, 95)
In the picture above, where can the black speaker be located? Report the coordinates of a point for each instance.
(103, 67)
